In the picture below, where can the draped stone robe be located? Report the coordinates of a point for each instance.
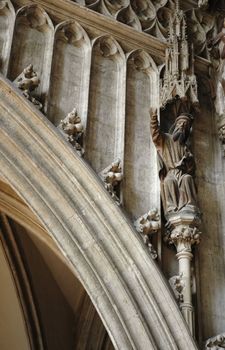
(176, 170)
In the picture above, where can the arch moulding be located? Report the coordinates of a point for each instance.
(123, 282)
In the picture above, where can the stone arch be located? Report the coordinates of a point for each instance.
(125, 285)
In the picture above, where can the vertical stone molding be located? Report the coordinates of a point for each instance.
(105, 126)
(32, 44)
(183, 232)
(7, 19)
(69, 83)
(140, 167)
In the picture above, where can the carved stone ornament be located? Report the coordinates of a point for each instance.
(176, 165)
(221, 131)
(177, 284)
(147, 225)
(28, 81)
(72, 129)
(183, 230)
(112, 177)
(179, 79)
(216, 343)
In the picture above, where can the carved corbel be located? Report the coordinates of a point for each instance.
(112, 176)
(216, 343)
(28, 81)
(72, 129)
(147, 225)
(177, 284)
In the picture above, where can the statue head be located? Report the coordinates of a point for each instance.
(182, 127)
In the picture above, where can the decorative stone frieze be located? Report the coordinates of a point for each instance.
(147, 225)
(72, 129)
(112, 176)
(28, 81)
(216, 343)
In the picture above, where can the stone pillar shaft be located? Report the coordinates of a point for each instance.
(184, 260)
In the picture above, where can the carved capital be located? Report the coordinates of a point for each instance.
(183, 231)
(217, 342)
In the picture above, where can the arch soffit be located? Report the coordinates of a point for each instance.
(125, 285)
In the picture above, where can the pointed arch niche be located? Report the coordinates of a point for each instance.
(70, 72)
(7, 18)
(105, 127)
(140, 167)
(32, 44)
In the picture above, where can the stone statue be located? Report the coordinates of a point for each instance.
(112, 177)
(176, 164)
(72, 129)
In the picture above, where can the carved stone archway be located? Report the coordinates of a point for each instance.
(125, 285)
